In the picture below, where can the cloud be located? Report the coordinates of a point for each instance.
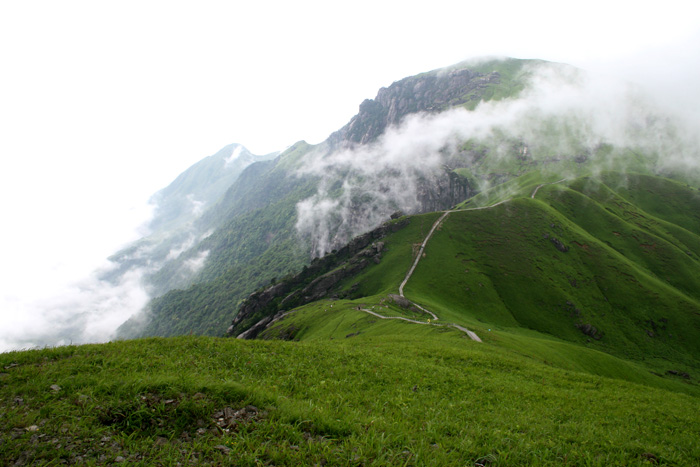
(194, 265)
(234, 155)
(564, 112)
(81, 312)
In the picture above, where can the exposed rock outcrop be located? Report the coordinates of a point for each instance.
(590, 330)
(428, 92)
(443, 191)
(314, 282)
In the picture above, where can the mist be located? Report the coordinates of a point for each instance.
(77, 312)
(563, 113)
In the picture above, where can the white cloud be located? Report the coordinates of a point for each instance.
(82, 312)
(234, 155)
(581, 110)
(195, 264)
(102, 104)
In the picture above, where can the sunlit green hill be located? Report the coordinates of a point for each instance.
(578, 277)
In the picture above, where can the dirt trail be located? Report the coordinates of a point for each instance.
(543, 184)
(420, 252)
(472, 335)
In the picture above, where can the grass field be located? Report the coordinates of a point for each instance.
(414, 395)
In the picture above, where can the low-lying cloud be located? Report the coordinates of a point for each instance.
(564, 111)
(86, 311)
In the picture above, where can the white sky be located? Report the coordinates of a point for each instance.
(102, 103)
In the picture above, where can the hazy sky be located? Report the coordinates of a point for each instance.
(103, 103)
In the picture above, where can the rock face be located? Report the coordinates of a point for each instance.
(443, 191)
(314, 282)
(590, 330)
(428, 92)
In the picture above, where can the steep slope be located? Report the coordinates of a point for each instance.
(425, 143)
(575, 271)
(462, 85)
(174, 228)
(253, 231)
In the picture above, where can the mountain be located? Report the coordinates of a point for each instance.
(471, 135)
(490, 264)
(254, 233)
(585, 268)
(175, 225)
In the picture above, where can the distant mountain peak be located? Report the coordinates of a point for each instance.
(464, 84)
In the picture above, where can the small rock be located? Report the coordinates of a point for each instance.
(55, 387)
(222, 448)
(559, 245)
(119, 459)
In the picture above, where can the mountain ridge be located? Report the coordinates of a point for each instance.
(263, 215)
(568, 247)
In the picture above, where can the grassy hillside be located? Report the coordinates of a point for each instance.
(585, 298)
(375, 398)
(577, 277)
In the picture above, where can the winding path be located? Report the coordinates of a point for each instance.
(543, 184)
(472, 335)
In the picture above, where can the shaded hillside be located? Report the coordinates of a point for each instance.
(250, 235)
(175, 226)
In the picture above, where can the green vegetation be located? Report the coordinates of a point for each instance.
(586, 299)
(256, 242)
(377, 399)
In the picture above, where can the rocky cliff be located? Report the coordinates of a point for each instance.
(314, 282)
(429, 92)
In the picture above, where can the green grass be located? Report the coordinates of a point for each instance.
(626, 272)
(363, 400)
(500, 268)
(354, 389)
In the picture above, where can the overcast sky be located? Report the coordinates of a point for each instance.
(103, 103)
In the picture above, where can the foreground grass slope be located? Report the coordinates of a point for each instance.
(362, 400)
